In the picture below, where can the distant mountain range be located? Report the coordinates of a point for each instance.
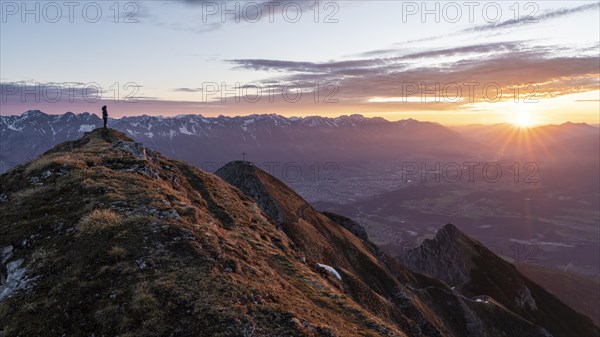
(209, 142)
(205, 141)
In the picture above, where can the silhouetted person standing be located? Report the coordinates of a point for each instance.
(104, 115)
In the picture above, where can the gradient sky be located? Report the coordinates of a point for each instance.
(368, 59)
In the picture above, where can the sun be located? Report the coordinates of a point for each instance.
(523, 119)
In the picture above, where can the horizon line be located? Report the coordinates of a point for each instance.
(296, 117)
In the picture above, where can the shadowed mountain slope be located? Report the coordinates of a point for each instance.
(473, 270)
(303, 224)
(102, 236)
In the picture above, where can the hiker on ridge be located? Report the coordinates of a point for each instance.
(104, 115)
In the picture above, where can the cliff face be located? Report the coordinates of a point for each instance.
(102, 236)
(448, 257)
(472, 270)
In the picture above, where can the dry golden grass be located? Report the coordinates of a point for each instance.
(146, 303)
(99, 220)
(41, 257)
(29, 192)
(108, 316)
(143, 300)
(45, 161)
(95, 145)
(117, 253)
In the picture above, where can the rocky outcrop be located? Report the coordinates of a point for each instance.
(525, 300)
(243, 175)
(15, 281)
(5, 253)
(351, 225)
(479, 275)
(135, 149)
(447, 257)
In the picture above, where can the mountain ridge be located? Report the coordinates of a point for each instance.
(104, 236)
(467, 266)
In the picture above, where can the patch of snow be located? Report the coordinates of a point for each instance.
(481, 299)
(185, 131)
(86, 127)
(331, 270)
(12, 127)
(411, 233)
